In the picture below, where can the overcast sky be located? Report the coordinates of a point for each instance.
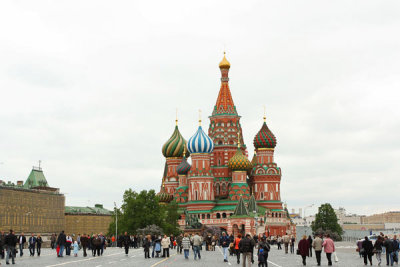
(91, 87)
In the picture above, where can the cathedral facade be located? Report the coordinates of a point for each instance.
(222, 187)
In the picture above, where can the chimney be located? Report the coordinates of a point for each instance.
(20, 183)
(100, 206)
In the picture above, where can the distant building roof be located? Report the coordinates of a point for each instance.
(36, 179)
(96, 210)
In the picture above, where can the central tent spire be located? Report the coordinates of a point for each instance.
(224, 105)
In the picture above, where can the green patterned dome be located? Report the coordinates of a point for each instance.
(239, 162)
(174, 147)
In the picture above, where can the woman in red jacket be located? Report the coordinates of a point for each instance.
(304, 248)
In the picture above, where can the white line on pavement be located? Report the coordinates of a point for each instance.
(89, 259)
(222, 254)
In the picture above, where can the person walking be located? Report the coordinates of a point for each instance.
(368, 247)
(263, 244)
(236, 247)
(39, 242)
(61, 241)
(304, 248)
(378, 249)
(292, 243)
(388, 244)
(329, 248)
(246, 246)
(165, 243)
(317, 245)
(396, 246)
(286, 241)
(231, 246)
(186, 245)
(157, 246)
(126, 240)
(53, 241)
(21, 242)
(310, 241)
(68, 245)
(76, 248)
(179, 243)
(84, 243)
(197, 243)
(2, 243)
(10, 242)
(224, 243)
(146, 246)
(32, 245)
(279, 242)
(262, 262)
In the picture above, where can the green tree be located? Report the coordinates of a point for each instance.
(326, 221)
(140, 210)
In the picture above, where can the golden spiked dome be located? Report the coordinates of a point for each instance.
(224, 64)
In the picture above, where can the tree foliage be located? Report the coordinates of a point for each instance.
(326, 222)
(140, 210)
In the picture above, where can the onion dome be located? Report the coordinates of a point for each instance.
(174, 147)
(164, 197)
(200, 142)
(264, 138)
(254, 159)
(239, 162)
(224, 64)
(183, 167)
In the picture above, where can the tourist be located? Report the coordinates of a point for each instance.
(304, 248)
(179, 243)
(279, 242)
(286, 241)
(2, 242)
(157, 246)
(329, 248)
(68, 245)
(78, 239)
(224, 242)
(246, 245)
(113, 241)
(378, 249)
(61, 241)
(396, 245)
(103, 243)
(213, 242)
(261, 258)
(21, 242)
(292, 243)
(146, 246)
(126, 240)
(76, 248)
(236, 247)
(53, 240)
(39, 242)
(84, 243)
(231, 245)
(97, 244)
(368, 247)
(388, 244)
(310, 241)
(317, 245)
(32, 245)
(208, 242)
(10, 242)
(197, 243)
(263, 244)
(359, 248)
(186, 246)
(165, 243)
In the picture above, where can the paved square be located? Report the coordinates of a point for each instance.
(116, 257)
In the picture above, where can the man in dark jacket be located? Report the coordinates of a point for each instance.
(21, 242)
(10, 242)
(32, 245)
(2, 242)
(388, 244)
(368, 248)
(84, 243)
(224, 242)
(126, 240)
(246, 246)
(61, 241)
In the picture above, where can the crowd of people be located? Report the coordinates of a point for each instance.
(383, 245)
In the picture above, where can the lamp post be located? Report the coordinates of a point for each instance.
(116, 223)
(304, 217)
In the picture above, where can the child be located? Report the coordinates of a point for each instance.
(261, 258)
(76, 248)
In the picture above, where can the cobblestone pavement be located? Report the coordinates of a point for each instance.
(116, 257)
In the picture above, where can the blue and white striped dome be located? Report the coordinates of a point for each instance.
(200, 142)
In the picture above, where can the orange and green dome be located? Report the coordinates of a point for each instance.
(264, 138)
(239, 162)
(164, 197)
(175, 145)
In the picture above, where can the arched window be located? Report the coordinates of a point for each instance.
(262, 195)
(224, 215)
(218, 216)
(208, 215)
(203, 216)
(223, 187)
(230, 214)
(217, 189)
(219, 162)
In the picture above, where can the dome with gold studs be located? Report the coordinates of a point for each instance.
(224, 64)
(239, 162)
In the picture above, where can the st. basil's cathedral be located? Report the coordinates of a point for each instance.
(222, 187)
